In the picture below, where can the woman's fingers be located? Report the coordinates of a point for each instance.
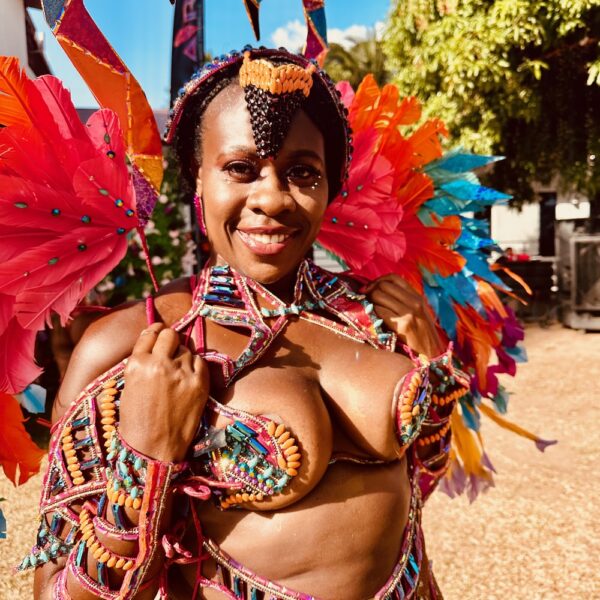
(402, 292)
(384, 300)
(185, 358)
(167, 343)
(147, 339)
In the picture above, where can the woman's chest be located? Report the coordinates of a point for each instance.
(301, 405)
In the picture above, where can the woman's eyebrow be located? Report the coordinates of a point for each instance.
(237, 149)
(304, 153)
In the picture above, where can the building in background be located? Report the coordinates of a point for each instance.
(18, 36)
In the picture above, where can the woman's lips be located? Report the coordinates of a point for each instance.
(265, 243)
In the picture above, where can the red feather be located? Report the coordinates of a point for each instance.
(17, 369)
(67, 202)
(20, 99)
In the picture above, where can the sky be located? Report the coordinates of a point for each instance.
(141, 31)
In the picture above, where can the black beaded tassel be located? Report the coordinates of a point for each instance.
(271, 117)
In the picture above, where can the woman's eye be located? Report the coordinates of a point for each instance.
(241, 170)
(304, 175)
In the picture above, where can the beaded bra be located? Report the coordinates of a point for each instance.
(256, 455)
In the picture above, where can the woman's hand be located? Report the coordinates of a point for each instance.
(166, 389)
(406, 313)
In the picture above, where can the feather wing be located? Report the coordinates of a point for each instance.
(66, 207)
(421, 228)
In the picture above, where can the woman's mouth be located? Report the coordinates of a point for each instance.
(265, 243)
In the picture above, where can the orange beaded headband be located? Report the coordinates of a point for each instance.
(277, 80)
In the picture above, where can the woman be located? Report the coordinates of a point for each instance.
(291, 471)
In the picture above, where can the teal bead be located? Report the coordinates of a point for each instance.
(138, 463)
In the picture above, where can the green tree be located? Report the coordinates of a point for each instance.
(512, 77)
(363, 57)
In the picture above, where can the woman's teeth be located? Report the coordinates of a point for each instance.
(265, 238)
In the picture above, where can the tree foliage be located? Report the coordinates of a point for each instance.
(352, 64)
(511, 77)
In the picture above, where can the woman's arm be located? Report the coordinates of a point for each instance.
(165, 392)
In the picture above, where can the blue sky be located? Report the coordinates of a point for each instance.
(140, 31)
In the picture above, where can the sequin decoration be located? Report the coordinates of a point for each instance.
(257, 454)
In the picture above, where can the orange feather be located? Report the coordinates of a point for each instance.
(19, 456)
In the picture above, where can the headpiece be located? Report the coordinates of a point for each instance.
(276, 84)
(273, 94)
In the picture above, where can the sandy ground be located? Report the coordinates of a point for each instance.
(536, 535)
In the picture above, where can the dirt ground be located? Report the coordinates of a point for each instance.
(536, 535)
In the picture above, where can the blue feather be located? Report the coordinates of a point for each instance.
(501, 400)
(461, 162)
(519, 353)
(465, 190)
(2, 524)
(33, 398)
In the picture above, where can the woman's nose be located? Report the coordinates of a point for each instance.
(270, 195)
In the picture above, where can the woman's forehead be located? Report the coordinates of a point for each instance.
(227, 127)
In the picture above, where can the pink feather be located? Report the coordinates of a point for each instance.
(17, 368)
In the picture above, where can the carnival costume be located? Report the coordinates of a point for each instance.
(397, 206)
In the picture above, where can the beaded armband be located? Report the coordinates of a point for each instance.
(253, 453)
(425, 398)
(91, 471)
(448, 384)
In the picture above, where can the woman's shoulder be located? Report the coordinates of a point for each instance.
(110, 339)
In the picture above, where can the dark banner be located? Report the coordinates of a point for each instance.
(188, 42)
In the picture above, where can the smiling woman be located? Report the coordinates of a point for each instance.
(264, 436)
(261, 214)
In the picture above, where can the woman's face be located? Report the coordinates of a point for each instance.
(261, 215)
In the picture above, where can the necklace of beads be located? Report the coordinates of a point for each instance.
(231, 299)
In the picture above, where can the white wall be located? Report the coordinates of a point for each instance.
(13, 41)
(518, 229)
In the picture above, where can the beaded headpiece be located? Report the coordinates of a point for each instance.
(273, 95)
(276, 84)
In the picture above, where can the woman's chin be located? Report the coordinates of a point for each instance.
(268, 273)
